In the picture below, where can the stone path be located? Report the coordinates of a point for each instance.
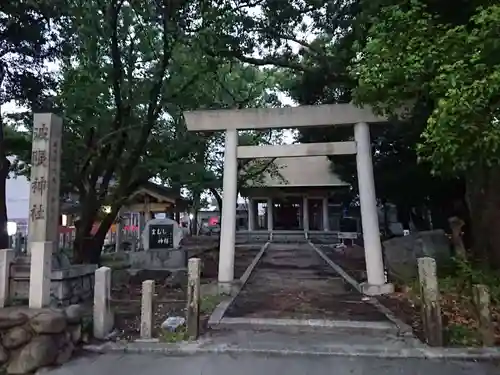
(292, 281)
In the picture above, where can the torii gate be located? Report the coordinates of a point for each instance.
(232, 120)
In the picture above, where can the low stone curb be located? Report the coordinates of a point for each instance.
(404, 329)
(220, 310)
(200, 347)
(321, 324)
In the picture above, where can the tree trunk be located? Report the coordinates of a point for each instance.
(483, 199)
(83, 244)
(88, 246)
(196, 208)
(4, 172)
(218, 198)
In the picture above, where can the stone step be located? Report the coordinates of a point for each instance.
(307, 325)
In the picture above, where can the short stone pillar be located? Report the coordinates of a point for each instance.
(251, 214)
(193, 298)
(481, 298)
(40, 274)
(147, 305)
(270, 219)
(6, 259)
(103, 316)
(305, 214)
(326, 217)
(431, 309)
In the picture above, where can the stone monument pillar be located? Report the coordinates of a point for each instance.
(43, 229)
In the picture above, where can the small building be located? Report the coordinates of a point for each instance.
(302, 198)
(147, 201)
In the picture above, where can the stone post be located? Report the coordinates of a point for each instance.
(270, 215)
(45, 180)
(147, 305)
(40, 274)
(228, 225)
(431, 309)
(369, 217)
(326, 217)
(103, 316)
(251, 214)
(193, 298)
(43, 235)
(481, 297)
(6, 259)
(305, 213)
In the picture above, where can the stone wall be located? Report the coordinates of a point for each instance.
(71, 285)
(34, 338)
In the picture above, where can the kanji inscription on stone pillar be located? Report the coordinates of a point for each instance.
(45, 182)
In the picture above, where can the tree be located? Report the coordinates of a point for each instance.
(116, 99)
(318, 73)
(133, 70)
(414, 53)
(28, 39)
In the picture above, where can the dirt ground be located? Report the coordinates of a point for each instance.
(292, 281)
(170, 292)
(351, 259)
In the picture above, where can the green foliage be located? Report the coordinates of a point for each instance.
(461, 335)
(27, 41)
(133, 69)
(463, 274)
(411, 54)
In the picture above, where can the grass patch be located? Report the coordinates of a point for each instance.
(460, 318)
(209, 303)
(172, 337)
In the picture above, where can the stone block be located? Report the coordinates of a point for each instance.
(167, 259)
(48, 322)
(147, 306)
(41, 351)
(401, 253)
(16, 337)
(74, 314)
(10, 318)
(40, 274)
(6, 259)
(376, 290)
(150, 233)
(4, 355)
(103, 316)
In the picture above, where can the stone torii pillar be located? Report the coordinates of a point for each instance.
(251, 214)
(326, 218)
(228, 224)
(376, 283)
(270, 215)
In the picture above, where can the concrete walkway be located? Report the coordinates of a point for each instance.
(292, 281)
(250, 364)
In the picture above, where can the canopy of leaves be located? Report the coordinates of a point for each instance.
(411, 53)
